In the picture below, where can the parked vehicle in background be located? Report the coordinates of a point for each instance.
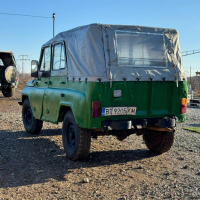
(8, 73)
(108, 80)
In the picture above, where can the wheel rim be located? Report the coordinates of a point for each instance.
(71, 136)
(28, 116)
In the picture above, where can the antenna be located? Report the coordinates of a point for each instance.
(54, 16)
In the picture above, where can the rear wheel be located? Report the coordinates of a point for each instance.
(32, 125)
(8, 92)
(158, 141)
(76, 141)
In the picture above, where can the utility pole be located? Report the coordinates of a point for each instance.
(54, 16)
(23, 66)
(190, 76)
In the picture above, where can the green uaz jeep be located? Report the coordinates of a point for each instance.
(8, 73)
(108, 80)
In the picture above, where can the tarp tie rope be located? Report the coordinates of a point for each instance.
(173, 58)
(109, 63)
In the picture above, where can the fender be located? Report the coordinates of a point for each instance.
(35, 99)
(76, 101)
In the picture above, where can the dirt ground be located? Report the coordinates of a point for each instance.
(35, 167)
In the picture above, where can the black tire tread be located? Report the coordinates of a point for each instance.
(8, 92)
(37, 126)
(166, 142)
(36, 123)
(84, 143)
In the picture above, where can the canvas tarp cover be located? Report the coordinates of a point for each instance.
(122, 52)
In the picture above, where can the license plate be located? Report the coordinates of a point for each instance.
(110, 111)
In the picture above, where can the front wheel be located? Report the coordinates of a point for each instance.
(8, 92)
(158, 141)
(76, 141)
(32, 125)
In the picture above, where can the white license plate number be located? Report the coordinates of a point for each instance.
(110, 111)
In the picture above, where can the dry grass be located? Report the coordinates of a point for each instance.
(23, 79)
(196, 93)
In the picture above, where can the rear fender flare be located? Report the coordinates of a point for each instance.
(78, 108)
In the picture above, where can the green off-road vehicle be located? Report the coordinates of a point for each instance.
(8, 73)
(108, 80)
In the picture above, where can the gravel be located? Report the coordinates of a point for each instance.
(35, 166)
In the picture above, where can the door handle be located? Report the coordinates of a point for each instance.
(62, 82)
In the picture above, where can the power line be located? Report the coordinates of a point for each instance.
(190, 50)
(53, 16)
(24, 15)
(187, 53)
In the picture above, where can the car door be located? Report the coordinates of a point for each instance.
(38, 94)
(56, 82)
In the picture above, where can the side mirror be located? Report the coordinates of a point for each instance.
(34, 68)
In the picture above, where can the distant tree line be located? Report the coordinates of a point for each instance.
(195, 83)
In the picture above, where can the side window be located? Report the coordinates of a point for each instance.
(46, 58)
(58, 57)
(1, 62)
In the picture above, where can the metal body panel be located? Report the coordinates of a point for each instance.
(152, 99)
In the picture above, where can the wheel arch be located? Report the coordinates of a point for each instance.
(66, 106)
(77, 103)
(24, 97)
(63, 108)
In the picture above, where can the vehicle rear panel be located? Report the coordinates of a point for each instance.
(152, 99)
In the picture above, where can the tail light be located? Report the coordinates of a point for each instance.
(95, 109)
(183, 105)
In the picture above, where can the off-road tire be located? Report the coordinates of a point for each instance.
(32, 125)
(158, 141)
(76, 141)
(8, 92)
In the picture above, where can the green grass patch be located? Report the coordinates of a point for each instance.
(193, 129)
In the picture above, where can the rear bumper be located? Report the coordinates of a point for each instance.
(167, 122)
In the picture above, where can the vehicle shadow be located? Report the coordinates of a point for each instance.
(193, 125)
(27, 159)
(47, 132)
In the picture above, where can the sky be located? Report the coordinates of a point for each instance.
(25, 35)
